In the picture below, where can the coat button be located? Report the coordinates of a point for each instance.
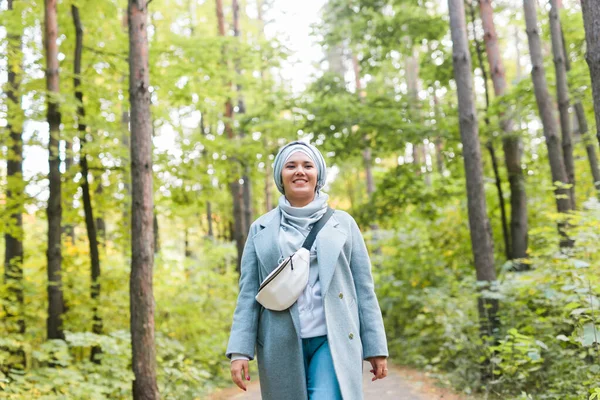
(351, 336)
(341, 295)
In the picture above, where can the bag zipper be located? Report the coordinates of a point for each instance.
(262, 285)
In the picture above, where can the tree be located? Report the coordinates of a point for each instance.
(511, 142)
(590, 9)
(481, 238)
(15, 197)
(85, 185)
(545, 108)
(562, 95)
(241, 109)
(490, 143)
(142, 207)
(234, 185)
(54, 210)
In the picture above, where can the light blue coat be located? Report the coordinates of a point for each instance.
(353, 317)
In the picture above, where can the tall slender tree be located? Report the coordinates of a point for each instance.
(54, 211)
(590, 9)
(511, 141)
(85, 185)
(481, 238)
(562, 95)
(234, 185)
(545, 107)
(490, 143)
(241, 109)
(263, 74)
(142, 230)
(583, 131)
(15, 197)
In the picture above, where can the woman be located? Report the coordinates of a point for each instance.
(314, 349)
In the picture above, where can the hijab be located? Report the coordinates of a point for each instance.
(296, 222)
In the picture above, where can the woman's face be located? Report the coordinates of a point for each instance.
(299, 176)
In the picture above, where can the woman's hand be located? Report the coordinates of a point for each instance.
(239, 372)
(379, 365)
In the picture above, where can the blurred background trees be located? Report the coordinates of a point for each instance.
(480, 215)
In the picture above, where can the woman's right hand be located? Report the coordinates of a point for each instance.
(240, 372)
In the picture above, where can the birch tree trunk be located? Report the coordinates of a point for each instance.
(14, 300)
(481, 239)
(544, 103)
(85, 185)
(590, 9)
(54, 212)
(142, 229)
(511, 142)
(562, 95)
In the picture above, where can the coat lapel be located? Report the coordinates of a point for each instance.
(266, 243)
(330, 241)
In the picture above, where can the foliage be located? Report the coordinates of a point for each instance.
(548, 346)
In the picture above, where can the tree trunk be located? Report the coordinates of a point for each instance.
(69, 228)
(234, 186)
(481, 238)
(100, 224)
(186, 242)
(553, 143)
(337, 67)
(511, 142)
(247, 186)
(142, 231)
(490, 144)
(209, 219)
(268, 184)
(591, 15)
(562, 95)
(238, 219)
(85, 185)
(247, 200)
(14, 300)
(439, 147)
(582, 128)
(156, 232)
(54, 212)
(125, 135)
(589, 146)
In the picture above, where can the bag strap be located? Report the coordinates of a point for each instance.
(310, 239)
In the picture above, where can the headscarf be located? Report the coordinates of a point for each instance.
(311, 151)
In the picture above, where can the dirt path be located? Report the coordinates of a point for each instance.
(401, 384)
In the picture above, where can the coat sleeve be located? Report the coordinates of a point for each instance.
(242, 338)
(372, 332)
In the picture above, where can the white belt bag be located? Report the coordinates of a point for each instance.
(282, 287)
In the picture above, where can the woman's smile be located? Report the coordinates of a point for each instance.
(299, 178)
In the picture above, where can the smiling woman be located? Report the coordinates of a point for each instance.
(299, 177)
(321, 340)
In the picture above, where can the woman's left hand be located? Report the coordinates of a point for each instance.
(379, 365)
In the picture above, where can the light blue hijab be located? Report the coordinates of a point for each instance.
(296, 222)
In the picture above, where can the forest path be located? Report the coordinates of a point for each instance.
(401, 384)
